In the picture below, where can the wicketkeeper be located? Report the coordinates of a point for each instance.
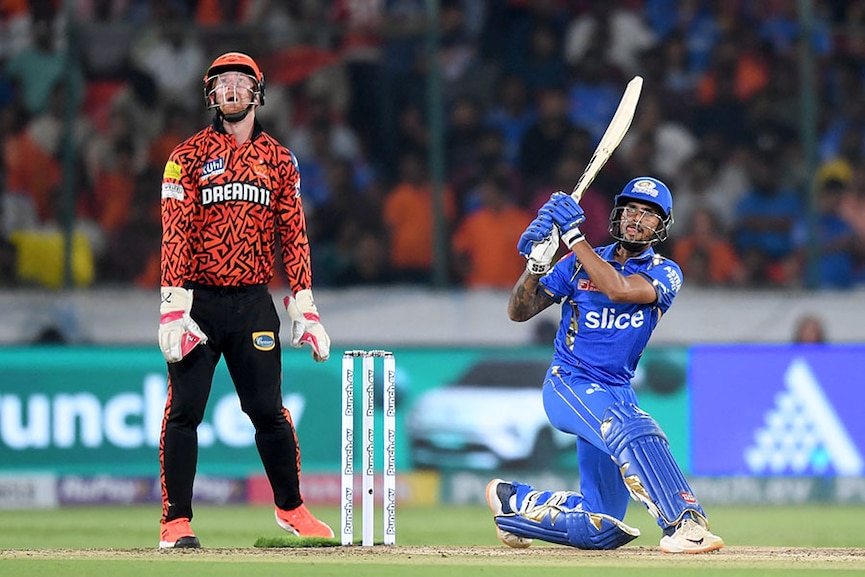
(612, 298)
(227, 192)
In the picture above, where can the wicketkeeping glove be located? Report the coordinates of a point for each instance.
(541, 257)
(178, 333)
(306, 325)
(568, 216)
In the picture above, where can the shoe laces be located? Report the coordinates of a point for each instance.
(691, 529)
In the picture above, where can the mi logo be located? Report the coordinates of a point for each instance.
(803, 434)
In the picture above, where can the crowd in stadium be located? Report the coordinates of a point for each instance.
(95, 94)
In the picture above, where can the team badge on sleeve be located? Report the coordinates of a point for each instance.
(172, 190)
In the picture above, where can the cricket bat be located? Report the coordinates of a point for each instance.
(614, 134)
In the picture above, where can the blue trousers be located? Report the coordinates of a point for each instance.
(574, 404)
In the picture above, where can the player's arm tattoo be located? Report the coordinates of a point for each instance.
(527, 299)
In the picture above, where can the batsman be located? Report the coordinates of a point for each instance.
(611, 298)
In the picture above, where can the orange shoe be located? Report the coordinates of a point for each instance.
(177, 534)
(302, 523)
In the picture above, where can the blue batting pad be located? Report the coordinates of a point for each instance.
(574, 528)
(642, 452)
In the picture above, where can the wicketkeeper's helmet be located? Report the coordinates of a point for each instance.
(234, 62)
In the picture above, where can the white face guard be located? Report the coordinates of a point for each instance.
(624, 215)
(232, 90)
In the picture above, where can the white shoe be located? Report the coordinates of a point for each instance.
(498, 495)
(691, 537)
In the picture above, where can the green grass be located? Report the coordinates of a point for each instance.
(121, 542)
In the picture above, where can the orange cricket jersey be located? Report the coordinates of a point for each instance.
(222, 205)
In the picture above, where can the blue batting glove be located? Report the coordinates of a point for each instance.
(537, 231)
(555, 200)
(568, 216)
(550, 205)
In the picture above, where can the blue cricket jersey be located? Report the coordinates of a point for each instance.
(599, 337)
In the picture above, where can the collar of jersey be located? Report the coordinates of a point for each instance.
(217, 125)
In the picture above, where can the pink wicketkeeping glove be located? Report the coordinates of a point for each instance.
(178, 333)
(306, 325)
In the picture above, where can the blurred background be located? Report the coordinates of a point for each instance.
(428, 133)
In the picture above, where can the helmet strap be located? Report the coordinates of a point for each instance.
(234, 116)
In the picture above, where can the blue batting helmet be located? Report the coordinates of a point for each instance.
(650, 191)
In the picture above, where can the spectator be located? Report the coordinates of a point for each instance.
(171, 53)
(853, 211)
(665, 68)
(512, 113)
(674, 144)
(593, 95)
(324, 118)
(849, 155)
(699, 187)
(489, 159)
(408, 216)
(831, 242)
(132, 250)
(705, 253)
(462, 134)
(809, 330)
(33, 176)
(40, 69)
(178, 127)
(764, 221)
(412, 130)
(361, 43)
(612, 32)
(101, 150)
(731, 176)
(114, 189)
(541, 65)
(738, 68)
(350, 217)
(464, 74)
(483, 243)
(698, 27)
(544, 141)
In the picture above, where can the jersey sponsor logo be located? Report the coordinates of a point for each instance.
(608, 319)
(673, 278)
(172, 190)
(263, 341)
(172, 171)
(585, 284)
(235, 191)
(212, 168)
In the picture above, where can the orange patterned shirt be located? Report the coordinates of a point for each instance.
(222, 207)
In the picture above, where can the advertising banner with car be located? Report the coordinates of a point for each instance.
(96, 411)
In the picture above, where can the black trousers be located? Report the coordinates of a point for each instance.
(242, 326)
